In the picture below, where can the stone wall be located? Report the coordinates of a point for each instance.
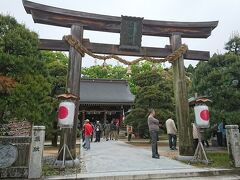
(16, 128)
(14, 156)
(21, 155)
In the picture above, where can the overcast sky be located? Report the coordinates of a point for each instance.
(225, 11)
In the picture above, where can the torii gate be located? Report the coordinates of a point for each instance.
(80, 21)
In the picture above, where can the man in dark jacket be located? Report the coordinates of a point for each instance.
(153, 125)
(98, 130)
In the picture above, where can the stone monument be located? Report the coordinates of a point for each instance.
(36, 152)
(233, 144)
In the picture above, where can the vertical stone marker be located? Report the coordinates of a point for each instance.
(233, 144)
(36, 152)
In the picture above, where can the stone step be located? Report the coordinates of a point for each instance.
(155, 174)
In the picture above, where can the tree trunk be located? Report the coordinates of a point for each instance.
(73, 87)
(181, 98)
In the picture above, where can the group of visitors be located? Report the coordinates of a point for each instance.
(154, 125)
(88, 131)
(87, 134)
(110, 131)
(217, 131)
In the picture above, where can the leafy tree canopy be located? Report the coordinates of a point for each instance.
(20, 61)
(107, 72)
(154, 89)
(233, 45)
(219, 79)
(15, 39)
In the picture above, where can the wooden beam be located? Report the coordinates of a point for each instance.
(98, 48)
(66, 18)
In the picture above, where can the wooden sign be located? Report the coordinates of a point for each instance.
(131, 33)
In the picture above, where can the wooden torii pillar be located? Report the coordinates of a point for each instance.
(79, 21)
(181, 99)
(73, 84)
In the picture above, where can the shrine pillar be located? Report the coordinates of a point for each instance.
(181, 99)
(73, 86)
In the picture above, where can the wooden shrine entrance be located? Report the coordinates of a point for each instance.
(131, 30)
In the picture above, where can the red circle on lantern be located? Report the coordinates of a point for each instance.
(204, 115)
(62, 112)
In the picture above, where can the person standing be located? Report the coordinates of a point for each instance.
(88, 130)
(153, 125)
(222, 134)
(113, 129)
(91, 123)
(195, 136)
(117, 128)
(107, 131)
(129, 132)
(172, 133)
(98, 130)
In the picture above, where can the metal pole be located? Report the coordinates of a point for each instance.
(64, 148)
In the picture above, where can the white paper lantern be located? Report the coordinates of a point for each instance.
(201, 116)
(66, 112)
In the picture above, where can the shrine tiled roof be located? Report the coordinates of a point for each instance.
(105, 91)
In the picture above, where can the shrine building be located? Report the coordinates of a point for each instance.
(104, 99)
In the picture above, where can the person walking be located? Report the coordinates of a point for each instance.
(172, 133)
(88, 130)
(153, 125)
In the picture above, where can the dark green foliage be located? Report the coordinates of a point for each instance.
(38, 76)
(30, 99)
(220, 80)
(154, 89)
(15, 39)
(19, 60)
(107, 72)
(57, 65)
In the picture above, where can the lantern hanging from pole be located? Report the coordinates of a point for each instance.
(66, 112)
(201, 116)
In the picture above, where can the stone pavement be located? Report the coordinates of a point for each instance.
(117, 156)
(119, 160)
